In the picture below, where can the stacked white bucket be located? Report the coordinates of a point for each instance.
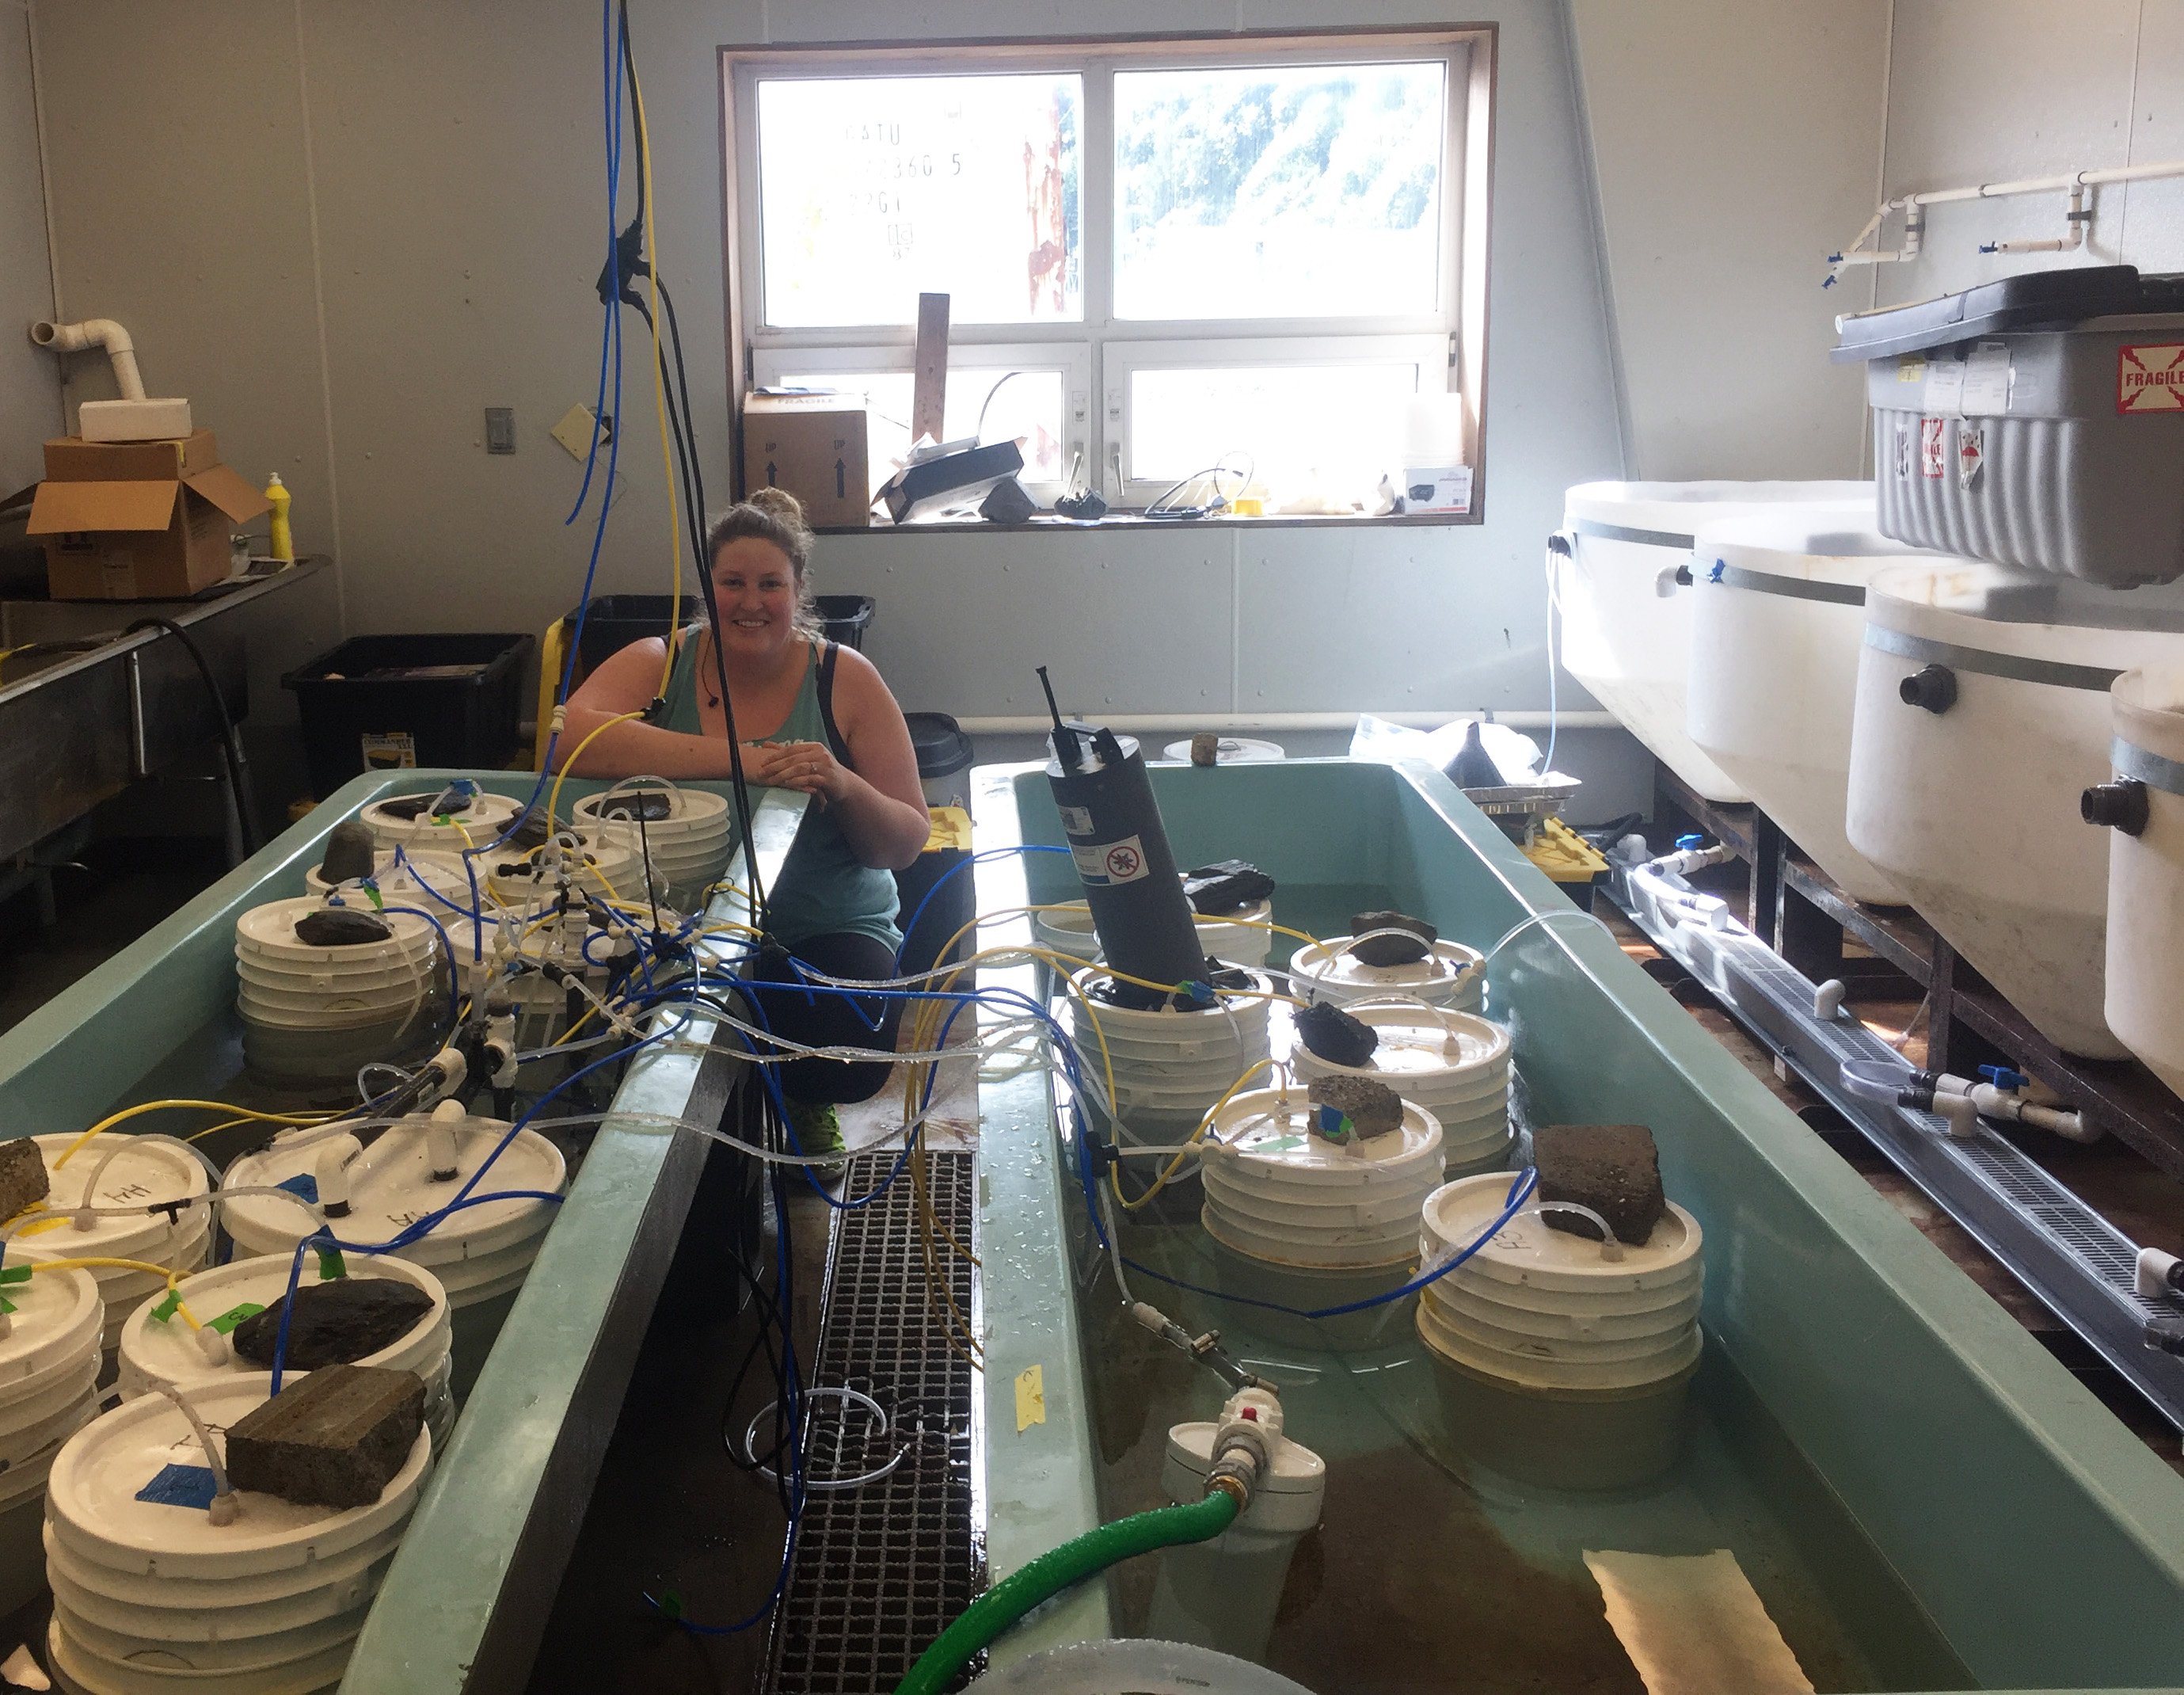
(158, 1351)
(314, 1012)
(116, 1169)
(480, 1255)
(1969, 803)
(1240, 938)
(1315, 1222)
(1452, 975)
(689, 847)
(435, 882)
(601, 859)
(2145, 874)
(150, 1596)
(1626, 620)
(474, 826)
(1455, 1065)
(1170, 1066)
(1571, 1361)
(49, 1362)
(1778, 621)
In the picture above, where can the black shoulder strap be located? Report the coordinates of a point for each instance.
(834, 737)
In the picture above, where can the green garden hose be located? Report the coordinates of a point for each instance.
(1084, 1557)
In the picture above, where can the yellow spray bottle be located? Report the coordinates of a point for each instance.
(280, 544)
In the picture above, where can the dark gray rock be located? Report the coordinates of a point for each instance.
(1615, 1169)
(1334, 1036)
(335, 1324)
(335, 1438)
(23, 1175)
(352, 851)
(1392, 950)
(342, 927)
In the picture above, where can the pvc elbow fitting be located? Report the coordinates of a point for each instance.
(2157, 1275)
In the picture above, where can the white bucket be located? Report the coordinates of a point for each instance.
(608, 866)
(485, 818)
(1778, 618)
(312, 1011)
(49, 1363)
(2145, 876)
(1170, 1066)
(1456, 1065)
(1626, 625)
(410, 877)
(1452, 976)
(1972, 812)
(689, 848)
(140, 1172)
(153, 1597)
(475, 1253)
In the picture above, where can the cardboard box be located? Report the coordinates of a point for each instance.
(138, 521)
(813, 445)
(1437, 488)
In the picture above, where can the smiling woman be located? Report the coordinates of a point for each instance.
(818, 719)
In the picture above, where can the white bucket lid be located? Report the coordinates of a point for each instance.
(487, 817)
(77, 1668)
(409, 872)
(269, 933)
(691, 810)
(392, 1185)
(1526, 1252)
(1328, 967)
(142, 1172)
(55, 1322)
(91, 1501)
(1265, 1136)
(1230, 750)
(1277, 1246)
(1483, 1301)
(1423, 1049)
(166, 1351)
(1533, 1334)
(1681, 508)
(1557, 1373)
(255, 971)
(1392, 1213)
(230, 1605)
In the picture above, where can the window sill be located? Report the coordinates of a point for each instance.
(1053, 524)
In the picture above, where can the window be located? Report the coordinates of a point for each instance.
(1263, 252)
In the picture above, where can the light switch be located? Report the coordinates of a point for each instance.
(500, 429)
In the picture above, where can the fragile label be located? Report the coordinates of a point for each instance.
(1110, 862)
(1933, 450)
(2150, 377)
(1971, 453)
(1986, 380)
(1077, 820)
(396, 750)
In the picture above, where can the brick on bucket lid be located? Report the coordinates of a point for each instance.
(1615, 1169)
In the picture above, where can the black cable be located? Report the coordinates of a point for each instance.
(238, 774)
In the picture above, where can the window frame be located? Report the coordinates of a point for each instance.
(1104, 346)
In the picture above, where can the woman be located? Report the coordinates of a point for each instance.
(816, 718)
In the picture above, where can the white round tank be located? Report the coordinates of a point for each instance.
(1972, 809)
(2145, 874)
(1778, 617)
(1626, 624)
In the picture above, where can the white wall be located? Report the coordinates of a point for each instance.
(425, 181)
(1981, 91)
(1725, 138)
(30, 385)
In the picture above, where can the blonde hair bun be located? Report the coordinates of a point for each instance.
(779, 504)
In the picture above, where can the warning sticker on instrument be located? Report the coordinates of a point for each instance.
(1077, 820)
(2150, 377)
(1111, 862)
(1933, 452)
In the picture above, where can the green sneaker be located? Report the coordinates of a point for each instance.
(818, 1130)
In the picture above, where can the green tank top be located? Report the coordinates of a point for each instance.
(824, 889)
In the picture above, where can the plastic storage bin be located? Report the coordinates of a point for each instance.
(2037, 423)
(613, 621)
(1626, 619)
(377, 702)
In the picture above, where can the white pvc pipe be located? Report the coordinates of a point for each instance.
(2074, 182)
(1233, 724)
(96, 332)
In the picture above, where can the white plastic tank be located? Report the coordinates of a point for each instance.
(1559, 1359)
(49, 1362)
(1452, 975)
(689, 832)
(1456, 1065)
(1625, 622)
(1778, 619)
(157, 1350)
(1969, 802)
(2146, 873)
(119, 1170)
(149, 1593)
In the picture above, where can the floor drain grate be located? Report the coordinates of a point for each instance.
(883, 1568)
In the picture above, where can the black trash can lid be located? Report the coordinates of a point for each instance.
(942, 747)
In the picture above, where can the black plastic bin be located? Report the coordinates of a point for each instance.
(381, 701)
(615, 620)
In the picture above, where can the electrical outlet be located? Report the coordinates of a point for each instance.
(577, 429)
(500, 429)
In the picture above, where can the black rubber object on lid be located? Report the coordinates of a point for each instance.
(943, 748)
(2037, 299)
(1225, 887)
